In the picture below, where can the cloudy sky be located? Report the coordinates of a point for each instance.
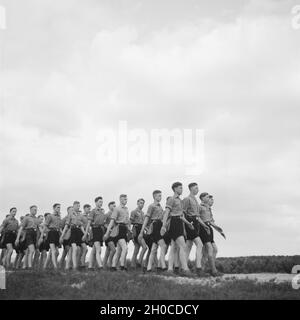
(232, 68)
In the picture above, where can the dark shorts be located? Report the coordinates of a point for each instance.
(176, 229)
(21, 247)
(148, 240)
(122, 233)
(53, 237)
(204, 236)
(76, 236)
(44, 246)
(98, 233)
(30, 238)
(2, 246)
(167, 238)
(9, 238)
(136, 231)
(111, 239)
(192, 234)
(155, 235)
(66, 243)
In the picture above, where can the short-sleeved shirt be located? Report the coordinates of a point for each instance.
(75, 220)
(85, 220)
(137, 216)
(121, 215)
(108, 218)
(175, 205)
(191, 206)
(63, 223)
(205, 213)
(10, 224)
(53, 221)
(30, 222)
(155, 212)
(97, 217)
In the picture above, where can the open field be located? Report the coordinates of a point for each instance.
(135, 285)
(261, 277)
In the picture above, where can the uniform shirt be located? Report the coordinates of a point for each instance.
(155, 212)
(75, 220)
(10, 224)
(97, 217)
(191, 206)
(63, 223)
(85, 220)
(137, 216)
(53, 221)
(30, 222)
(175, 205)
(107, 218)
(205, 213)
(121, 215)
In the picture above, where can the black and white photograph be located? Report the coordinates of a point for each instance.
(149, 151)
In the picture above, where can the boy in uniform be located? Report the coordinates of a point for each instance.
(96, 219)
(65, 241)
(191, 209)
(75, 221)
(84, 244)
(43, 244)
(208, 238)
(174, 211)
(9, 229)
(110, 243)
(121, 222)
(20, 249)
(53, 226)
(30, 224)
(137, 220)
(155, 215)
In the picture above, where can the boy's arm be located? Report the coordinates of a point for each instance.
(144, 226)
(165, 218)
(109, 227)
(63, 233)
(19, 234)
(87, 229)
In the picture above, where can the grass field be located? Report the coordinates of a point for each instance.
(105, 285)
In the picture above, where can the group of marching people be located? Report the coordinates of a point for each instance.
(182, 224)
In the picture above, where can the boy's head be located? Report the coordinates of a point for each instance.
(40, 218)
(204, 196)
(156, 195)
(70, 210)
(99, 202)
(76, 205)
(56, 208)
(33, 210)
(210, 200)
(123, 199)
(140, 203)
(177, 187)
(86, 208)
(193, 187)
(13, 211)
(111, 205)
